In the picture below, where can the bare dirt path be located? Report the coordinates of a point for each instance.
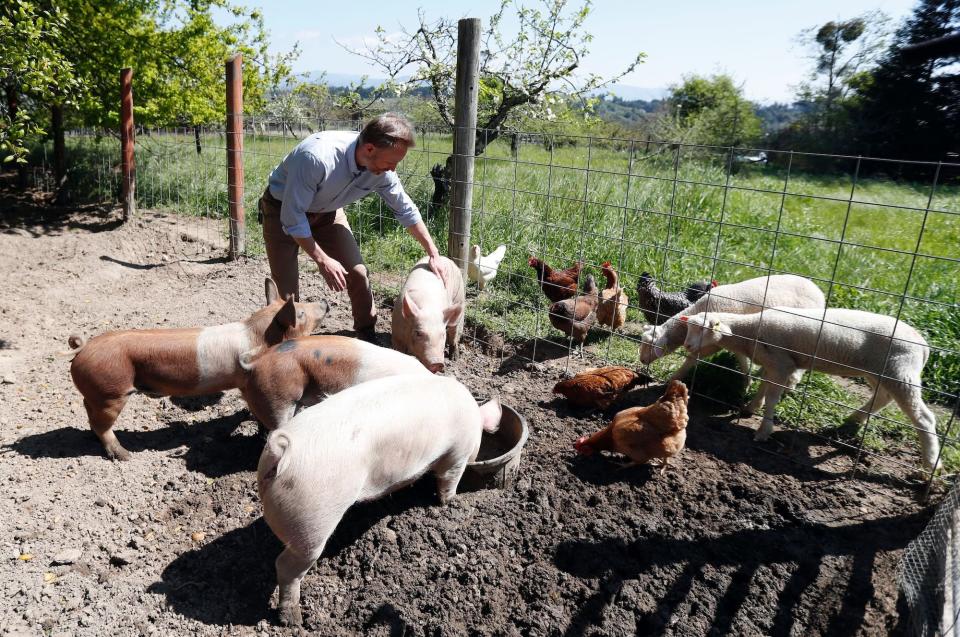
(734, 540)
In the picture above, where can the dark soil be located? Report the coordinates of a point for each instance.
(736, 538)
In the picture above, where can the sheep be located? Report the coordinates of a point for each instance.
(784, 341)
(745, 297)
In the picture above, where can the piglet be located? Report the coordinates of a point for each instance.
(359, 445)
(177, 362)
(303, 371)
(428, 313)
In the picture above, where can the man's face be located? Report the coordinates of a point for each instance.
(384, 159)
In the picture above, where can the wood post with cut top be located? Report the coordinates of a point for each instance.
(128, 168)
(464, 141)
(235, 155)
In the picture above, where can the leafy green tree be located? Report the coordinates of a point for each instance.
(517, 70)
(709, 111)
(33, 71)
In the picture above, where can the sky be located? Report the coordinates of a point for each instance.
(752, 40)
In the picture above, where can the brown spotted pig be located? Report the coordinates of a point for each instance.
(177, 362)
(303, 371)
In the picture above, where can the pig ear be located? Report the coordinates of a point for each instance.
(270, 288)
(490, 414)
(409, 307)
(452, 313)
(287, 316)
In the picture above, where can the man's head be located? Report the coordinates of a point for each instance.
(383, 142)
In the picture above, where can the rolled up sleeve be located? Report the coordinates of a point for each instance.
(397, 199)
(304, 172)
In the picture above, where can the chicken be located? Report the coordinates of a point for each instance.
(657, 306)
(612, 309)
(657, 431)
(598, 387)
(557, 284)
(482, 269)
(574, 317)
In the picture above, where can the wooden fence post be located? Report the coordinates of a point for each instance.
(235, 155)
(128, 167)
(464, 141)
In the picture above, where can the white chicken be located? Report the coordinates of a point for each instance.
(483, 269)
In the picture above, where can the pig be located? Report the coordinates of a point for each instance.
(359, 445)
(428, 313)
(177, 362)
(303, 371)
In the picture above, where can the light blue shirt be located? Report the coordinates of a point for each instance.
(321, 174)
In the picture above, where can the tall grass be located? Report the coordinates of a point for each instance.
(871, 239)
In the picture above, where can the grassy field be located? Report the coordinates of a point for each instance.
(869, 236)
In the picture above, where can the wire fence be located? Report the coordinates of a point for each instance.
(929, 572)
(874, 235)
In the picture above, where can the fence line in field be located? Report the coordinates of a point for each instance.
(681, 212)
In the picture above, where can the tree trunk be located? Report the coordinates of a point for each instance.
(13, 105)
(59, 154)
(196, 137)
(441, 187)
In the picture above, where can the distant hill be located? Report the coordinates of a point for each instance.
(623, 91)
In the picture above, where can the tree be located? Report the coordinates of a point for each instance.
(908, 108)
(841, 51)
(517, 71)
(33, 71)
(175, 47)
(709, 111)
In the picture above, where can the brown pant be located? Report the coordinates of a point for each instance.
(331, 231)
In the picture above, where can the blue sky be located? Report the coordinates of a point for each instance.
(752, 40)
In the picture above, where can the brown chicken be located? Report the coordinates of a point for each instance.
(598, 387)
(574, 317)
(645, 433)
(557, 284)
(612, 310)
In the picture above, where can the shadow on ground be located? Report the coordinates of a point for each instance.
(683, 561)
(214, 448)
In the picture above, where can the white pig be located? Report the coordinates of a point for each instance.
(359, 445)
(428, 313)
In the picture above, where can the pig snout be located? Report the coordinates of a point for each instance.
(435, 368)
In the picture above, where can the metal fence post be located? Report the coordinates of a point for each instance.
(464, 140)
(235, 154)
(127, 159)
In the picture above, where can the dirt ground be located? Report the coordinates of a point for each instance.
(738, 538)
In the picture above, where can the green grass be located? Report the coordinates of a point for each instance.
(674, 213)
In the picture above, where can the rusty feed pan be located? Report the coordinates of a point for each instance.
(498, 460)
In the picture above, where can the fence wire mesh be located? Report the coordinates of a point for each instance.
(873, 234)
(929, 574)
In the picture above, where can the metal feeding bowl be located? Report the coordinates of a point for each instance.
(498, 460)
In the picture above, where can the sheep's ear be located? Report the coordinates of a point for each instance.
(684, 319)
(716, 325)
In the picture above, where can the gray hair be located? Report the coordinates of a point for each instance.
(387, 131)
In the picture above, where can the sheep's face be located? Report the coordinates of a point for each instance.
(651, 344)
(703, 333)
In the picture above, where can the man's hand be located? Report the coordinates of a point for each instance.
(333, 273)
(437, 267)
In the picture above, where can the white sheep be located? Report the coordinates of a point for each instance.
(783, 341)
(746, 297)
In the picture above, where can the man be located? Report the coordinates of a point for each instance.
(303, 204)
